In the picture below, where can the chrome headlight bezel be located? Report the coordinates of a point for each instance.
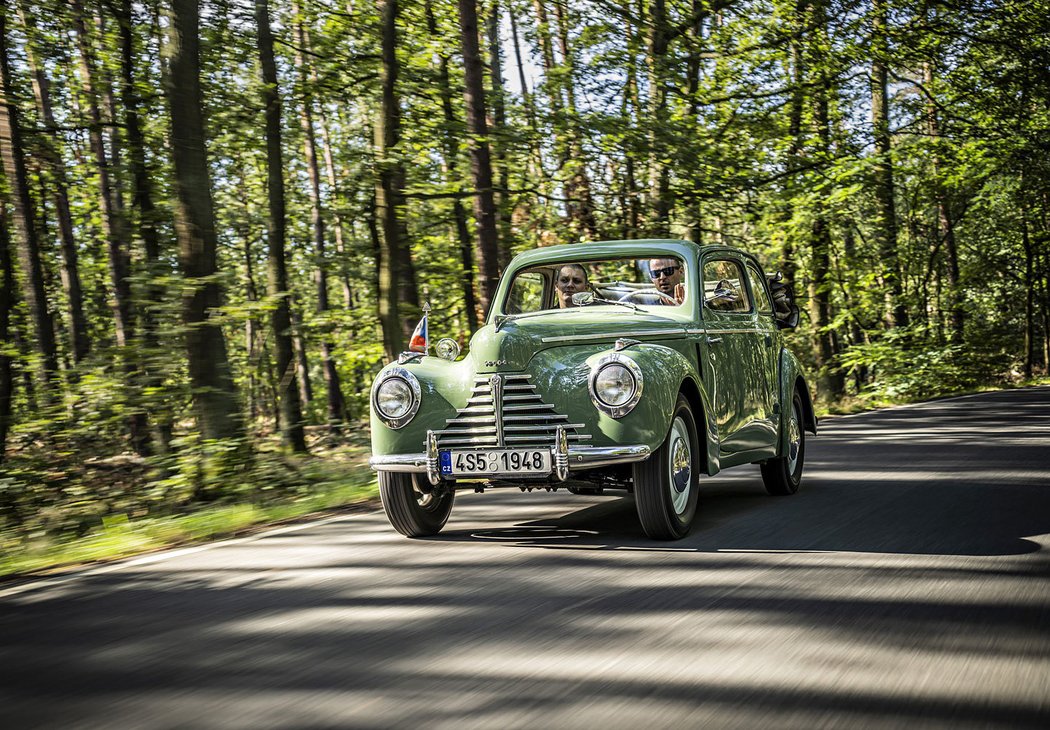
(413, 384)
(635, 371)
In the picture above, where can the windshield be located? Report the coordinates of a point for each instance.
(650, 282)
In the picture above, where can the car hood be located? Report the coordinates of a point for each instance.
(517, 341)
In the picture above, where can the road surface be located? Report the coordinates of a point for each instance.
(906, 585)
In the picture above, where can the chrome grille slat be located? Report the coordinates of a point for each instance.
(550, 417)
(525, 418)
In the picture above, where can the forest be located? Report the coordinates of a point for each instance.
(219, 218)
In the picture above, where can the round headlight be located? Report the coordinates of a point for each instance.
(394, 398)
(614, 385)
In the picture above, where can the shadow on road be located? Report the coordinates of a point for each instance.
(958, 477)
(746, 623)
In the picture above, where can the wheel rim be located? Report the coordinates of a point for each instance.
(679, 466)
(427, 501)
(794, 439)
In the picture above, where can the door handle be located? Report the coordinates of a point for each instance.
(769, 339)
(713, 340)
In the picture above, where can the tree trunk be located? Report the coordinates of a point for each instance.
(692, 197)
(797, 62)
(292, 433)
(147, 215)
(459, 214)
(80, 341)
(1029, 285)
(215, 395)
(114, 229)
(113, 225)
(480, 159)
(7, 302)
(302, 364)
(946, 225)
(883, 169)
(581, 202)
(832, 383)
(390, 189)
(659, 175)
(499, 126)
(25, 220)
(331, 375)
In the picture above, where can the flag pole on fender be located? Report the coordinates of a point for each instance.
(420, 341)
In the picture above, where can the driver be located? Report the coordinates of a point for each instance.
(571, 278)
(667, 275)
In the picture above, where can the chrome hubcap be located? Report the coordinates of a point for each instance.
(679, 466)
(794, 440)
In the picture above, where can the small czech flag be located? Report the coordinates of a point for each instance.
(420, 337)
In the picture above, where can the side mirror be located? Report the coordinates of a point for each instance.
(787, 321)
(720, 297)
(723, 294)
(785, 311)
(583, 298)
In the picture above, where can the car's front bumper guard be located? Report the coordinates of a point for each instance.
(566, 458)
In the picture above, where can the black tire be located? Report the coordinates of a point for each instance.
(412, 511)
(664, 494)
(783, 475)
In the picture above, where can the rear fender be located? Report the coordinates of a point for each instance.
(791, 379)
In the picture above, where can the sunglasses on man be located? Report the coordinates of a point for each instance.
(667, 271)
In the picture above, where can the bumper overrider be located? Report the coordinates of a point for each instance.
(565, 458)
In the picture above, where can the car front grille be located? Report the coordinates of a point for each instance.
(506, 411)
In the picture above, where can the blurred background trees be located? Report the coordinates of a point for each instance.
(221, 217)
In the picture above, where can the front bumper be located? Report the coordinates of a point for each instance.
(565, 458)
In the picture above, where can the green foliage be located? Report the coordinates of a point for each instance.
(753, 128)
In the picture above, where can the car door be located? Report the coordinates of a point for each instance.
(766, 341)
(735, 362)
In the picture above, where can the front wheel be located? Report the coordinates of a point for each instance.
(666, 485)
(413, 511)
(783, 475)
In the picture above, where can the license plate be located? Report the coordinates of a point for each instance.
(494, 462)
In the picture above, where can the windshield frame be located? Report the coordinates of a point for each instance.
(553, 256)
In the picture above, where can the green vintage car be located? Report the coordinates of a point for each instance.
(622, 365)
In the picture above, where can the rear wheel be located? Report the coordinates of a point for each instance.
(783, 475)
(413, 511)
(666, 485)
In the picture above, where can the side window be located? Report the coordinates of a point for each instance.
(526, 294)
(724, 288)
(758, 288)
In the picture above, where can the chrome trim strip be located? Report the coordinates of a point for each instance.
(592, 457)
(581, 458)
(408, 463)
(733, 332)
(612, 335)
(496, 386)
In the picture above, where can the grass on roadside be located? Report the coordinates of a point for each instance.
(328, 485)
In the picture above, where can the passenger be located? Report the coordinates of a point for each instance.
(571, 279)
(667, 275)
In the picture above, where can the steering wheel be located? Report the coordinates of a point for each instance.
(631, 294)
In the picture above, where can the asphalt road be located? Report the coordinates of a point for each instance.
(906, 585)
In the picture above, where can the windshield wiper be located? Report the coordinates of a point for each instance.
(599, 300)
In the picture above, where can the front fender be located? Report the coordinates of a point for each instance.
(444, 387)
(666, 371)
